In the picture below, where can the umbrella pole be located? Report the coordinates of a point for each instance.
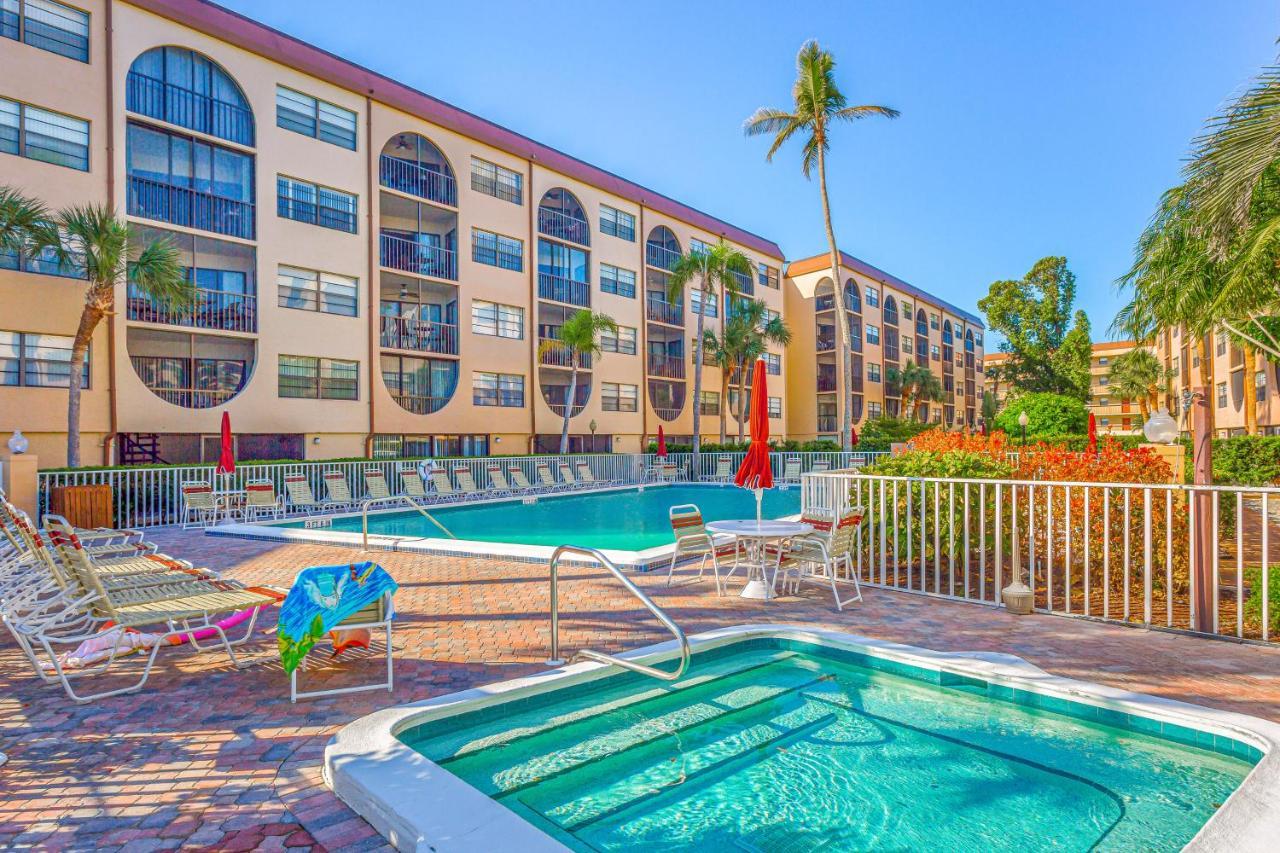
(759, 498)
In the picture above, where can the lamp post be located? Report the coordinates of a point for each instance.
(593, 426)
(1023, 420)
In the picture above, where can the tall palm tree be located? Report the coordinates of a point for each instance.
(1139, 375)
(757, 332)
(916, 383)
(709, 272)
(578, 338)
(818, 104)
(106, 250)
(721, 350)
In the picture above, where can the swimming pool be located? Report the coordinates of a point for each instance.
(630, 524)
(798, 739)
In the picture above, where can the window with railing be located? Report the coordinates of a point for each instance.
(419, 253)
(826, 378)
(890, 311)
(410, 163)
(699, 247)
(746, 286)
(662, 249)
(623, 342)
(192, 383)
(659, 310)
(667, 398)
(617, 223)
(617, 281)
(313, 204)
(316, 118)
(413, 328)
(560, 215)
(178, 179)
(497, 389)
(497, 250)
(891, 350)
(182, 87)
(312, 290)
(312, 378)
(420, 386)
(496, 320)
(46, 25)
(557, 396)
(497, 181)
(667, 362)
(563, 273)
(619, 397)
(44, 135)
(33, 360)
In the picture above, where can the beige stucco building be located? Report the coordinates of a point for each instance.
(891, 323)
(375, 269)
(1228, 372)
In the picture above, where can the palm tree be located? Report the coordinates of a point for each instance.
(818, 103)
(721, 351)
(756, 332)
(578, 338)
(101, 246)
(25, 224)
(916, 383)
(1139, 375)
(709, 272)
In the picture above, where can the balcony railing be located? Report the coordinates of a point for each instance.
(660, 256)
(562, 358)
(556, 396)
(193, 398)
(825, 344)
(667, 413)
(891, 352)
(149, 96)
(828, 423)
(669, 366)
(419, 405)
(561, 289)
(562, 226)
(826, 382)
(414, 257)
(182, 206)
(660, 310)
(211, 309)
(419, 335)
(746, 285)
(413, 178)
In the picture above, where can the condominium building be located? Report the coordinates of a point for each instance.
(1226, 374)
(1112, 413)
(891, 323)
(420, 254)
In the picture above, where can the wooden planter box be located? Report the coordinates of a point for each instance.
(83, 506)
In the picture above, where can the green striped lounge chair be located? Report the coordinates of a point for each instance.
(519, 482)
(693, 540)
(261, 500)
(444, 489)
(546, 480)
(586, 477)
(466, 483)
(724, 470)
(821, 465)
(199, 508)
(791, 469)
(824, 556)
(566, 476)
(375, 485)
(411, 483)
(335, 483)
(301, 499)
(498, 484)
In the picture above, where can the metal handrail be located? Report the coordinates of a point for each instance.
(601, 657)
(364, 516)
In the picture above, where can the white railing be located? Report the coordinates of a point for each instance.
(1120, 552)
(152, 496)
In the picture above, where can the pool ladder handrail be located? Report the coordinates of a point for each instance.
(364, 516)
(601, 657)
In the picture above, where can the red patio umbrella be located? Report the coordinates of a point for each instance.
(756, 473)
(226, 459)
(1093, 434)
(662, 442)
(853, 437)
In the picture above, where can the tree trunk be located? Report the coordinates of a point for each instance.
(1205, 351)
(1250, 390)
(844, 359)
(742, 401)
(697, 386)
(89, 320)
(724, 404)
(568, 404)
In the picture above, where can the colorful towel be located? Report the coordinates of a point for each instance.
(321, 597)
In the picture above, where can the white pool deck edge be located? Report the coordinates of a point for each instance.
(418, 806)
(646, 559)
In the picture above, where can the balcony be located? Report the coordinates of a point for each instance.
(560, 289)
(556, 396)
(660, 256)
(660, 310)
(825, 344)
(186, 207)
(826, 381)
(562, 226)
(409, 177)
(212, 309)
(184, 107)
(562, 358)
(411, 256)
(419, 335)
(746, 285)
(828, 423)
(668, 366)
(418, 405)
(891, 352)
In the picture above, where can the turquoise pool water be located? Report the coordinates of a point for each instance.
(780, 746)
(630, 520)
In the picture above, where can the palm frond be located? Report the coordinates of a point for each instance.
(25, 223)
(865, 111)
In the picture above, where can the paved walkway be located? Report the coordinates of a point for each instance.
(215, 758)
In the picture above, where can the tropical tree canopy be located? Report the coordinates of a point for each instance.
(1139, 375)
(1047, 414)
(916, 383)
(1049, 347)
(578, 338)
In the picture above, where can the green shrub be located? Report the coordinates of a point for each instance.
(880, 433)
(951, 464)
(1246, 460)
(1047, 414)
(1253, 605)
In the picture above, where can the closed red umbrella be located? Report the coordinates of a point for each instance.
(662, 442)
(756, 472)
(853, 437)
(227, 458)
(1093, 434)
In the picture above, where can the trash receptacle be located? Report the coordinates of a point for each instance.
(83, 506)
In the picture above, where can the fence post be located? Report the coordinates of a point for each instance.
(1202, 555)
(21, 481)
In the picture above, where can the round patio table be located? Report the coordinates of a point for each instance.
(756, 535)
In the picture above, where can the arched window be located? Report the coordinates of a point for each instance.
(419, 385)
(185, 88)
(890, 311)
(852, 301)
(947, 338)
(968, 340)
(922, 322)
(412, 164)
(192, 371)
(662, 249)
(561, 215)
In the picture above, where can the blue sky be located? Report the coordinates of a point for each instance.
(1027, 128)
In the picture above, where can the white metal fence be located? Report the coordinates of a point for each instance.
(1114, 551)
(148, 497)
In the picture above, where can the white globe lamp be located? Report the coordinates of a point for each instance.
(18, 443)
(1161, 428)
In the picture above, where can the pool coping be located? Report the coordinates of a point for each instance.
(416, 805)
(643, 560)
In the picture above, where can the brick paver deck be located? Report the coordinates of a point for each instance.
(211, 757)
